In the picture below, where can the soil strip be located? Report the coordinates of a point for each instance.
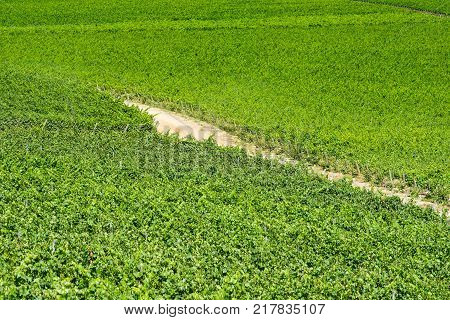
(168, 122)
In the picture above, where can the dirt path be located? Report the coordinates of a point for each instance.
(184, 126)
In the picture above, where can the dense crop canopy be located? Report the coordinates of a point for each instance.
(98, 205)
(431, 6)
(352, 85)
(95, 204)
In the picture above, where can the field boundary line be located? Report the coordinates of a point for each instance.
(428, 12)
(170, 122)
(375, 18)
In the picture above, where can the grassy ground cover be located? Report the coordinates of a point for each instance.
(95, 204)
(347, 84)
(437, 6)
(51, 12)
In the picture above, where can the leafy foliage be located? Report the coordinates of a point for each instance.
(350, 85)
(95, 204)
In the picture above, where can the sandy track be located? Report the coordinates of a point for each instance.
(169, 122)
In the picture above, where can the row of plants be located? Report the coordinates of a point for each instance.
(95, 204)
(353, 86)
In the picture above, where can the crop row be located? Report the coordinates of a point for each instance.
(126, 213)
(367, 96)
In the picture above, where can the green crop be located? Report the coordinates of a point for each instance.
(350, 85)
(437, 6)
(95, 204)
(82, 12)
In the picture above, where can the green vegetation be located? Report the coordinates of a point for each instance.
(346, 84)
(437, 6)
(51, 12)
(95, 204)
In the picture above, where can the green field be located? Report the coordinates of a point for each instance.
(345, 84)
(95, 204)
(432, 6)
(91, 210)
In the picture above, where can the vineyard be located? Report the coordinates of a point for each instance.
(94, 203)
(342, 83)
